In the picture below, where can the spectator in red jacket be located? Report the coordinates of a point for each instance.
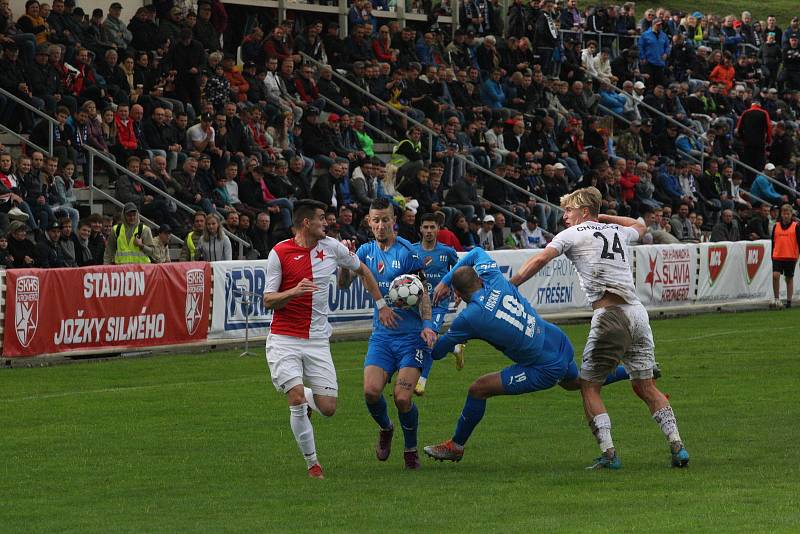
(306, 86)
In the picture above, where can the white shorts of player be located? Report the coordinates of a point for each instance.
(619, 334)
(293, 361)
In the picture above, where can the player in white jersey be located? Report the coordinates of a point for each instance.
(620, 330)
(299, 271)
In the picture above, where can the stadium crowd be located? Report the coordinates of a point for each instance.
(553, 97)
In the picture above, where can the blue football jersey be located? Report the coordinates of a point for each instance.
(496, 313)
(436, 263)
(386, 265)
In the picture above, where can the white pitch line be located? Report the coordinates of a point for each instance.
(723, 333)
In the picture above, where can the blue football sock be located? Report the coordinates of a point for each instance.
(409, 422)
(379, 412)
(616, 375)
(471, 415)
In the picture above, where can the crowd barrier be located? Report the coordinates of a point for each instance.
(119, 308)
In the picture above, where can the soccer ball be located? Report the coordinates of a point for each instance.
(405, 291)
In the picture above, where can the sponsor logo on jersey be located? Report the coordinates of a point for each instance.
(427, 261)
(716, 261)
(195, 295)
(381, 266)
(26, 309)
(754, 255)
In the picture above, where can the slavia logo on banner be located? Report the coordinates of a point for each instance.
(754, 255)
(26, 308)
(195, 294)
(716, 261)
(669, 279)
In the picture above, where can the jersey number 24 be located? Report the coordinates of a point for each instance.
(616, 246)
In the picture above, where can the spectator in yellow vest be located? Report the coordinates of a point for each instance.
(130, 241)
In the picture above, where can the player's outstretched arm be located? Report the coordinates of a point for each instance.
(386, 315)
(623, 221)
(534, 265)
(278, 299)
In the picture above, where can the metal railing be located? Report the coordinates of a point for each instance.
(21, 138)
(428, 131)
(142, 217)
(369, 126)
(41, 114)
(503, 209)
(94, 153)
(736, 161)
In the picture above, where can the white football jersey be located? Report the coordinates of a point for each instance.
(599, 252)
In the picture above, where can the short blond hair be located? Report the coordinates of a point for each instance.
(588, 197)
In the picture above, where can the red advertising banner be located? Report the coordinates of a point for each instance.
(111, 306)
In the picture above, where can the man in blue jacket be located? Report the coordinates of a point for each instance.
(653, 53)
(763, 189)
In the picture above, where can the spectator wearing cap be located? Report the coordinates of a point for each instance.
(629, 143)
(131, 241)
(160, 252)
(792, 31)
(763, 190)
(533, 236)
(486, 233)
(48, 253)
(171, 24)
(114, 29)
(186, 56)
(654, 49)
(21, 249)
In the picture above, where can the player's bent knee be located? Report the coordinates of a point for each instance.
(296, 395)
(402, 400)
(326, 405)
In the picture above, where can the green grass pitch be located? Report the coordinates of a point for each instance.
(202, 444)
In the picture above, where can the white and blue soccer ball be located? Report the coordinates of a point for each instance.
(405, 291)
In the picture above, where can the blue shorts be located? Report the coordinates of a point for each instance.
(396, 352)
(555, 365)
(437, 317)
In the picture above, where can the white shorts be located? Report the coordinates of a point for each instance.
(293, 361)
(619, 334)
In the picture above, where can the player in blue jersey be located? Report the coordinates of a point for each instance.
(437, 260)
(498, 313)
(404, 349)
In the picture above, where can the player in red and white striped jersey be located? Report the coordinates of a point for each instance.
(299, 271)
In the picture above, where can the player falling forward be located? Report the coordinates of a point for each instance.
(437, 260)
(299, 271)
(620, 328)
(497, 313)
(404, 349)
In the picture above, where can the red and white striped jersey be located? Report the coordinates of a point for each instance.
(288, 263)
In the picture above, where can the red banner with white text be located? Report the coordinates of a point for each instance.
(111, 306)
